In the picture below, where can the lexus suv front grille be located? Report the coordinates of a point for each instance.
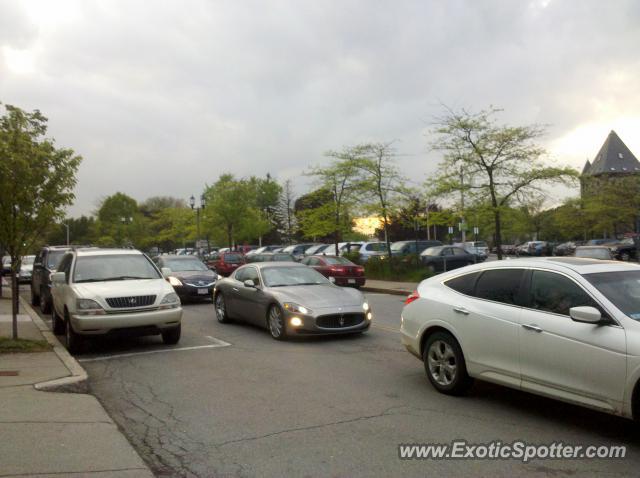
(131, 302)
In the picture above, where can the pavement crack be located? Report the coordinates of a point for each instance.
(309, 427)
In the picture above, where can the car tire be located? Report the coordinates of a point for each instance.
(445, 365)
(172, 336)
(45, 305)
(57, 324)
(73, 341)
(220, 305)
(276, 323)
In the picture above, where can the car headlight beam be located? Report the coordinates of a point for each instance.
(175, 281)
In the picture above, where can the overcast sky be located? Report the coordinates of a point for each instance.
(162, 97)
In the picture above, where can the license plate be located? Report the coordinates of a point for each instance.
(203, 291)
(351, 281)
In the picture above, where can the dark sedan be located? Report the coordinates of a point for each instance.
(446, 258)
(189, 276)
(343, 271)
(290, 299)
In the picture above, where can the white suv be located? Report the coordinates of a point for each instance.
(101, 291)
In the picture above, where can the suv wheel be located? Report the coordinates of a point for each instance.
(73, 341)
(171, 336)
(45, 305)
(57, 325)
(35, 299)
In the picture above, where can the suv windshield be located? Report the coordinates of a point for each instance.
(622, 288)
(182, 265)
(113, 267)
(290, 276)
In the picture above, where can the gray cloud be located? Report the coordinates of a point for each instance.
(161, 98)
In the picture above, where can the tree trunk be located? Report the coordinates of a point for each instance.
(496, 216)
(14, 301)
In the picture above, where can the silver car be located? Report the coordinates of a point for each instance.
(290, 299)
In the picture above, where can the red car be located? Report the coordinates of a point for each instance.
(226, 262)
(342, 270)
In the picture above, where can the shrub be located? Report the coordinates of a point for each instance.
(403, 268)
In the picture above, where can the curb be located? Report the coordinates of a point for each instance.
(386, 291)
(77, 382)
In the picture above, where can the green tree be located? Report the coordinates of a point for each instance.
(120, 223)
(229, 204)
(380, 182)
(339, 181)
(502, 163)
(36, 184)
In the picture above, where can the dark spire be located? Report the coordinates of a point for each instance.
(613, 158)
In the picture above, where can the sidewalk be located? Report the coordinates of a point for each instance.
(54, 433)
(389, 287)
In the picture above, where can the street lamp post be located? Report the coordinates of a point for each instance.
(67, 226)
(192, 203)
(125, 221)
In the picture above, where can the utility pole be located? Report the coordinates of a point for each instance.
(67, 226)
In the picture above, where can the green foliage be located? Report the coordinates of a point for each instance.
(501, 165)
(352, 256)
(120, 224)
(8, 345)
(36, 183)
(404, 269)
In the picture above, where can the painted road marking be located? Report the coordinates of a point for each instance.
(219, 343)
(385, 328)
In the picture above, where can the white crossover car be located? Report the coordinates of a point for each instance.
(104, 291)
(566, 328)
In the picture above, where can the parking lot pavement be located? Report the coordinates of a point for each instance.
(336, 406)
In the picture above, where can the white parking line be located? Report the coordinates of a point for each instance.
(219, 343)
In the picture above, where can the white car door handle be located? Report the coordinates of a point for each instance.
(535, 328)
(461, 310)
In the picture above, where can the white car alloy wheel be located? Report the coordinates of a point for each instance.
(276, 323)
(442, 363)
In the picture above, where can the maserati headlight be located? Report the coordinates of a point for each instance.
(365, 306)
(174, 281)
(89, 307)
(296, 309)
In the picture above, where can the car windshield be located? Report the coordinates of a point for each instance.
(283, 257)
(53, 259)
(113, 267)
(182, 265)
(397, 246)
(596, 253)
(337, 260)
(480, 244)
(232, 258)
(27, 260)
(289, 249)
(291, 276)
(376, 246)
(622, 288)
(432, 251)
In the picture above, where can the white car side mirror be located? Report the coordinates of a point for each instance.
(58, 278)
(590, 315)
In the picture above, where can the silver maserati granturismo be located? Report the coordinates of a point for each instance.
(290, 299)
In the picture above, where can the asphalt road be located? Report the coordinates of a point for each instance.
(334, 407)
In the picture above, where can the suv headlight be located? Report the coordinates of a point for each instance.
(174, 281)
(296, 309)
(170, 301)
(89, 307)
